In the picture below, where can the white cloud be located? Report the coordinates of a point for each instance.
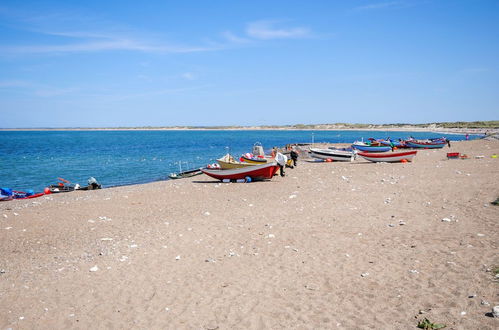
(188, 76)
(233, 38)
(380, 5)
(102, 45)
(267, 30)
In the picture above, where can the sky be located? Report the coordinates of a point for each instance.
(209, 63)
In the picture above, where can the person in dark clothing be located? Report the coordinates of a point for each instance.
(294, 156)
(448, 142)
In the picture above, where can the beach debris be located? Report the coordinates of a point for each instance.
(391, 225)
(5, 216)
(446, 220)
(414, 271)
(311, 287)
(94, 269)
(270, 236)
(472, 296)
(427, 325)
(210, 260)
(2, 271)
(480, 235)
(133, 246)
(463, 313)
(16, 214)
(402, 222)
(364, 274)
(484, 303)
(292, 196)
(388, 200)
(344, 178)
(495, 311)
(177, 258)
(106, 239)
(123, 258)
(206, 213)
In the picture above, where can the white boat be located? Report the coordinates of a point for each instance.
(337, 155)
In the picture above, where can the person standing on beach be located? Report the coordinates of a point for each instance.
(448, 142)
(294, 156)
(281, 161)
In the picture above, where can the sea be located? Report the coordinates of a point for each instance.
(35, 159)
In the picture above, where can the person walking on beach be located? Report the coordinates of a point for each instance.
(281, 161)
(448, 142)
(294, 156)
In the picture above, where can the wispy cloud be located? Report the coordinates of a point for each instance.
(36, 89)
(188, 76)
(380, 5)
(266, 30)
(87, 35)
(231, 37)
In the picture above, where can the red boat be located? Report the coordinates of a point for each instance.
(390, 157)
(256, 172)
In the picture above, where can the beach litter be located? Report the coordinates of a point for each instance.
(94, 269)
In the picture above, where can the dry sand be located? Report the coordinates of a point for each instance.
(331, 245)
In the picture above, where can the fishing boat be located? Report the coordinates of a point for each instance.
(255, 172)
(66, 186)
(389, 157)
(397, 144)
(228, 162)
(7, 194)
(185, 174)
(249, 158)
(362, 146)
(337, 155)
(429, 144)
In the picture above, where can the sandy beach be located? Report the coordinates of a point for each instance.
(329, 246)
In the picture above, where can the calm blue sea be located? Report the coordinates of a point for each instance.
(34, 159)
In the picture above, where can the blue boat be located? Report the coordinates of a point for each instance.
(398, 144)
(426, 144)
(362, 146)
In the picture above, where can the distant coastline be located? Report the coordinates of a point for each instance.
(485, 127)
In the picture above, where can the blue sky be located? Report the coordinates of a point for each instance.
(167, 63)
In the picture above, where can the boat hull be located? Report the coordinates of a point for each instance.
(255, 172)
(391, 157)
(337, 155)
(426, 145)
(365, 147)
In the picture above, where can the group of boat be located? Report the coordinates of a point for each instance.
(382, 150)
(63, 185)
(258, 166)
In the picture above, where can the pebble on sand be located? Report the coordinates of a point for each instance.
(495, 311)
(94, 269)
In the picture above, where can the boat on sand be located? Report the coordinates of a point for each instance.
(337, 155)
(389, 157)
(255, 172)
